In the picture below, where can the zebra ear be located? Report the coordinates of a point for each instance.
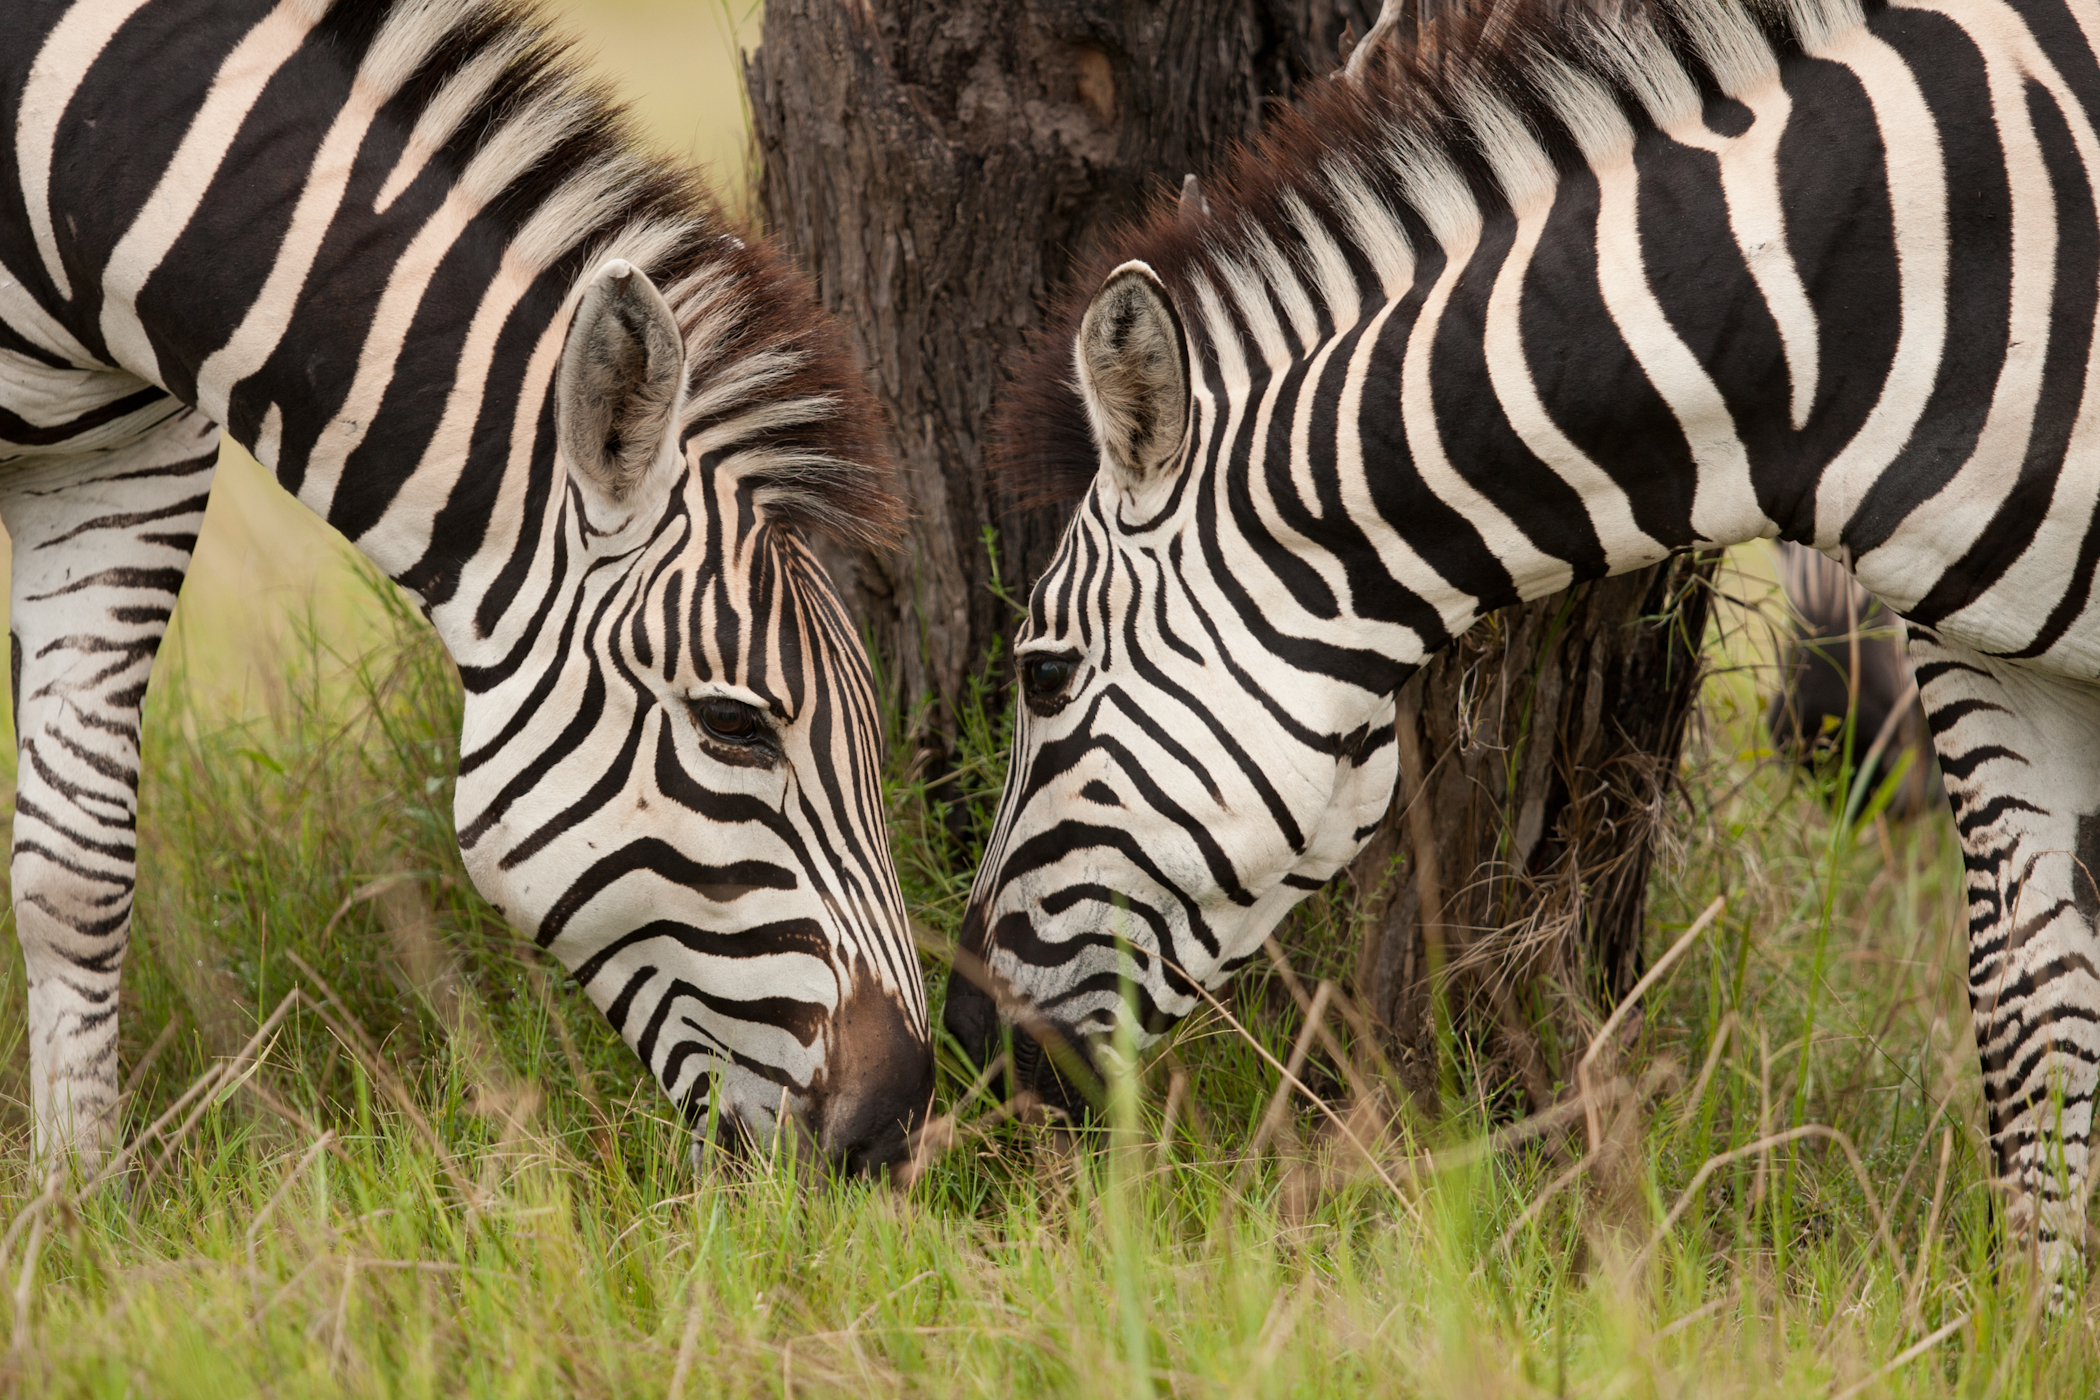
(622, 374)
(1133, 365)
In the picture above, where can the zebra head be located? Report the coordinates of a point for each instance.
(1181, 773)
(673, 780)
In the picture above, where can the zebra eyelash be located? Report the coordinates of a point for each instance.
(1044, 702)
(735, 730)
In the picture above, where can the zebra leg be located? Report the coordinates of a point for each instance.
(101, 543)
(2020, 755)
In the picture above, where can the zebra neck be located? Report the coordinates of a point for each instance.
(1652, 352)
(374, 314)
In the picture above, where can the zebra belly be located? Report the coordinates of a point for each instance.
(2040, 611)
(49, 410)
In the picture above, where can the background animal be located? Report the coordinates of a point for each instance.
(1837, 630)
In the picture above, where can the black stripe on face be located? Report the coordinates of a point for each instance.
(1015, 933)
(723, 884)
(1070, 897)
(1058, 582)
(803, 1020)
(1364, 668)
(841, 745)
(1086, 545)
(1055, 759)
(1280, 491)
(573, 647)
(1158, 680)
(1162, 581)
(674, 622)
(786, 937)
(478, 680)
(614, 778)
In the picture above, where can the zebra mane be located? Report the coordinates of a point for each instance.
(1482, 114)
(494, 96)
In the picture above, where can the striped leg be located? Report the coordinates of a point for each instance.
(101, 542)
(2020, 753)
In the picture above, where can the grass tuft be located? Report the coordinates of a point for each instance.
(439, 1174)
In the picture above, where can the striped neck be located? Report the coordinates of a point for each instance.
(1549, 309)
(361, 256)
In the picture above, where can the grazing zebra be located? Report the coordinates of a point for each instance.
(417, 265)
(1844, 654)
(1578, 287)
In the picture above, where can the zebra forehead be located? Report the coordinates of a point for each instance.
(495, 100)
(1487, 105)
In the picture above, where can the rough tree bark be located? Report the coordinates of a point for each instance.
(940, 166)
(1542, 744)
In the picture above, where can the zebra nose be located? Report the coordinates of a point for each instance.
(878, 1085)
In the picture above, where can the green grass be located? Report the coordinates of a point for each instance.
(442, 1176)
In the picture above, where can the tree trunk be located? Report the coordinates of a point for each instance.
(941, 166)
(1543, 743)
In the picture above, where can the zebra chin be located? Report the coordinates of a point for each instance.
(860, 1112)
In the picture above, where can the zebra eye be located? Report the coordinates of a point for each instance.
(730, 721)
(1045, 677)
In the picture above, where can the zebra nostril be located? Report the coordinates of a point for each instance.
(1028, 1060)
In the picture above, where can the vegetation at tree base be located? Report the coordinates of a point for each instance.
(439, 1174)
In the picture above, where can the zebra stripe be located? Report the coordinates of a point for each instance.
(1568, 290)
(415, 264)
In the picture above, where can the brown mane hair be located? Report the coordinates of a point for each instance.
(1410, 94)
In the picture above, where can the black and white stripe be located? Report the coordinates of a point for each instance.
(1576, 287)
(416, 265)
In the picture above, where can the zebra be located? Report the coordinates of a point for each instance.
(1843, 654)
(405, 254)
(1573, 288)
